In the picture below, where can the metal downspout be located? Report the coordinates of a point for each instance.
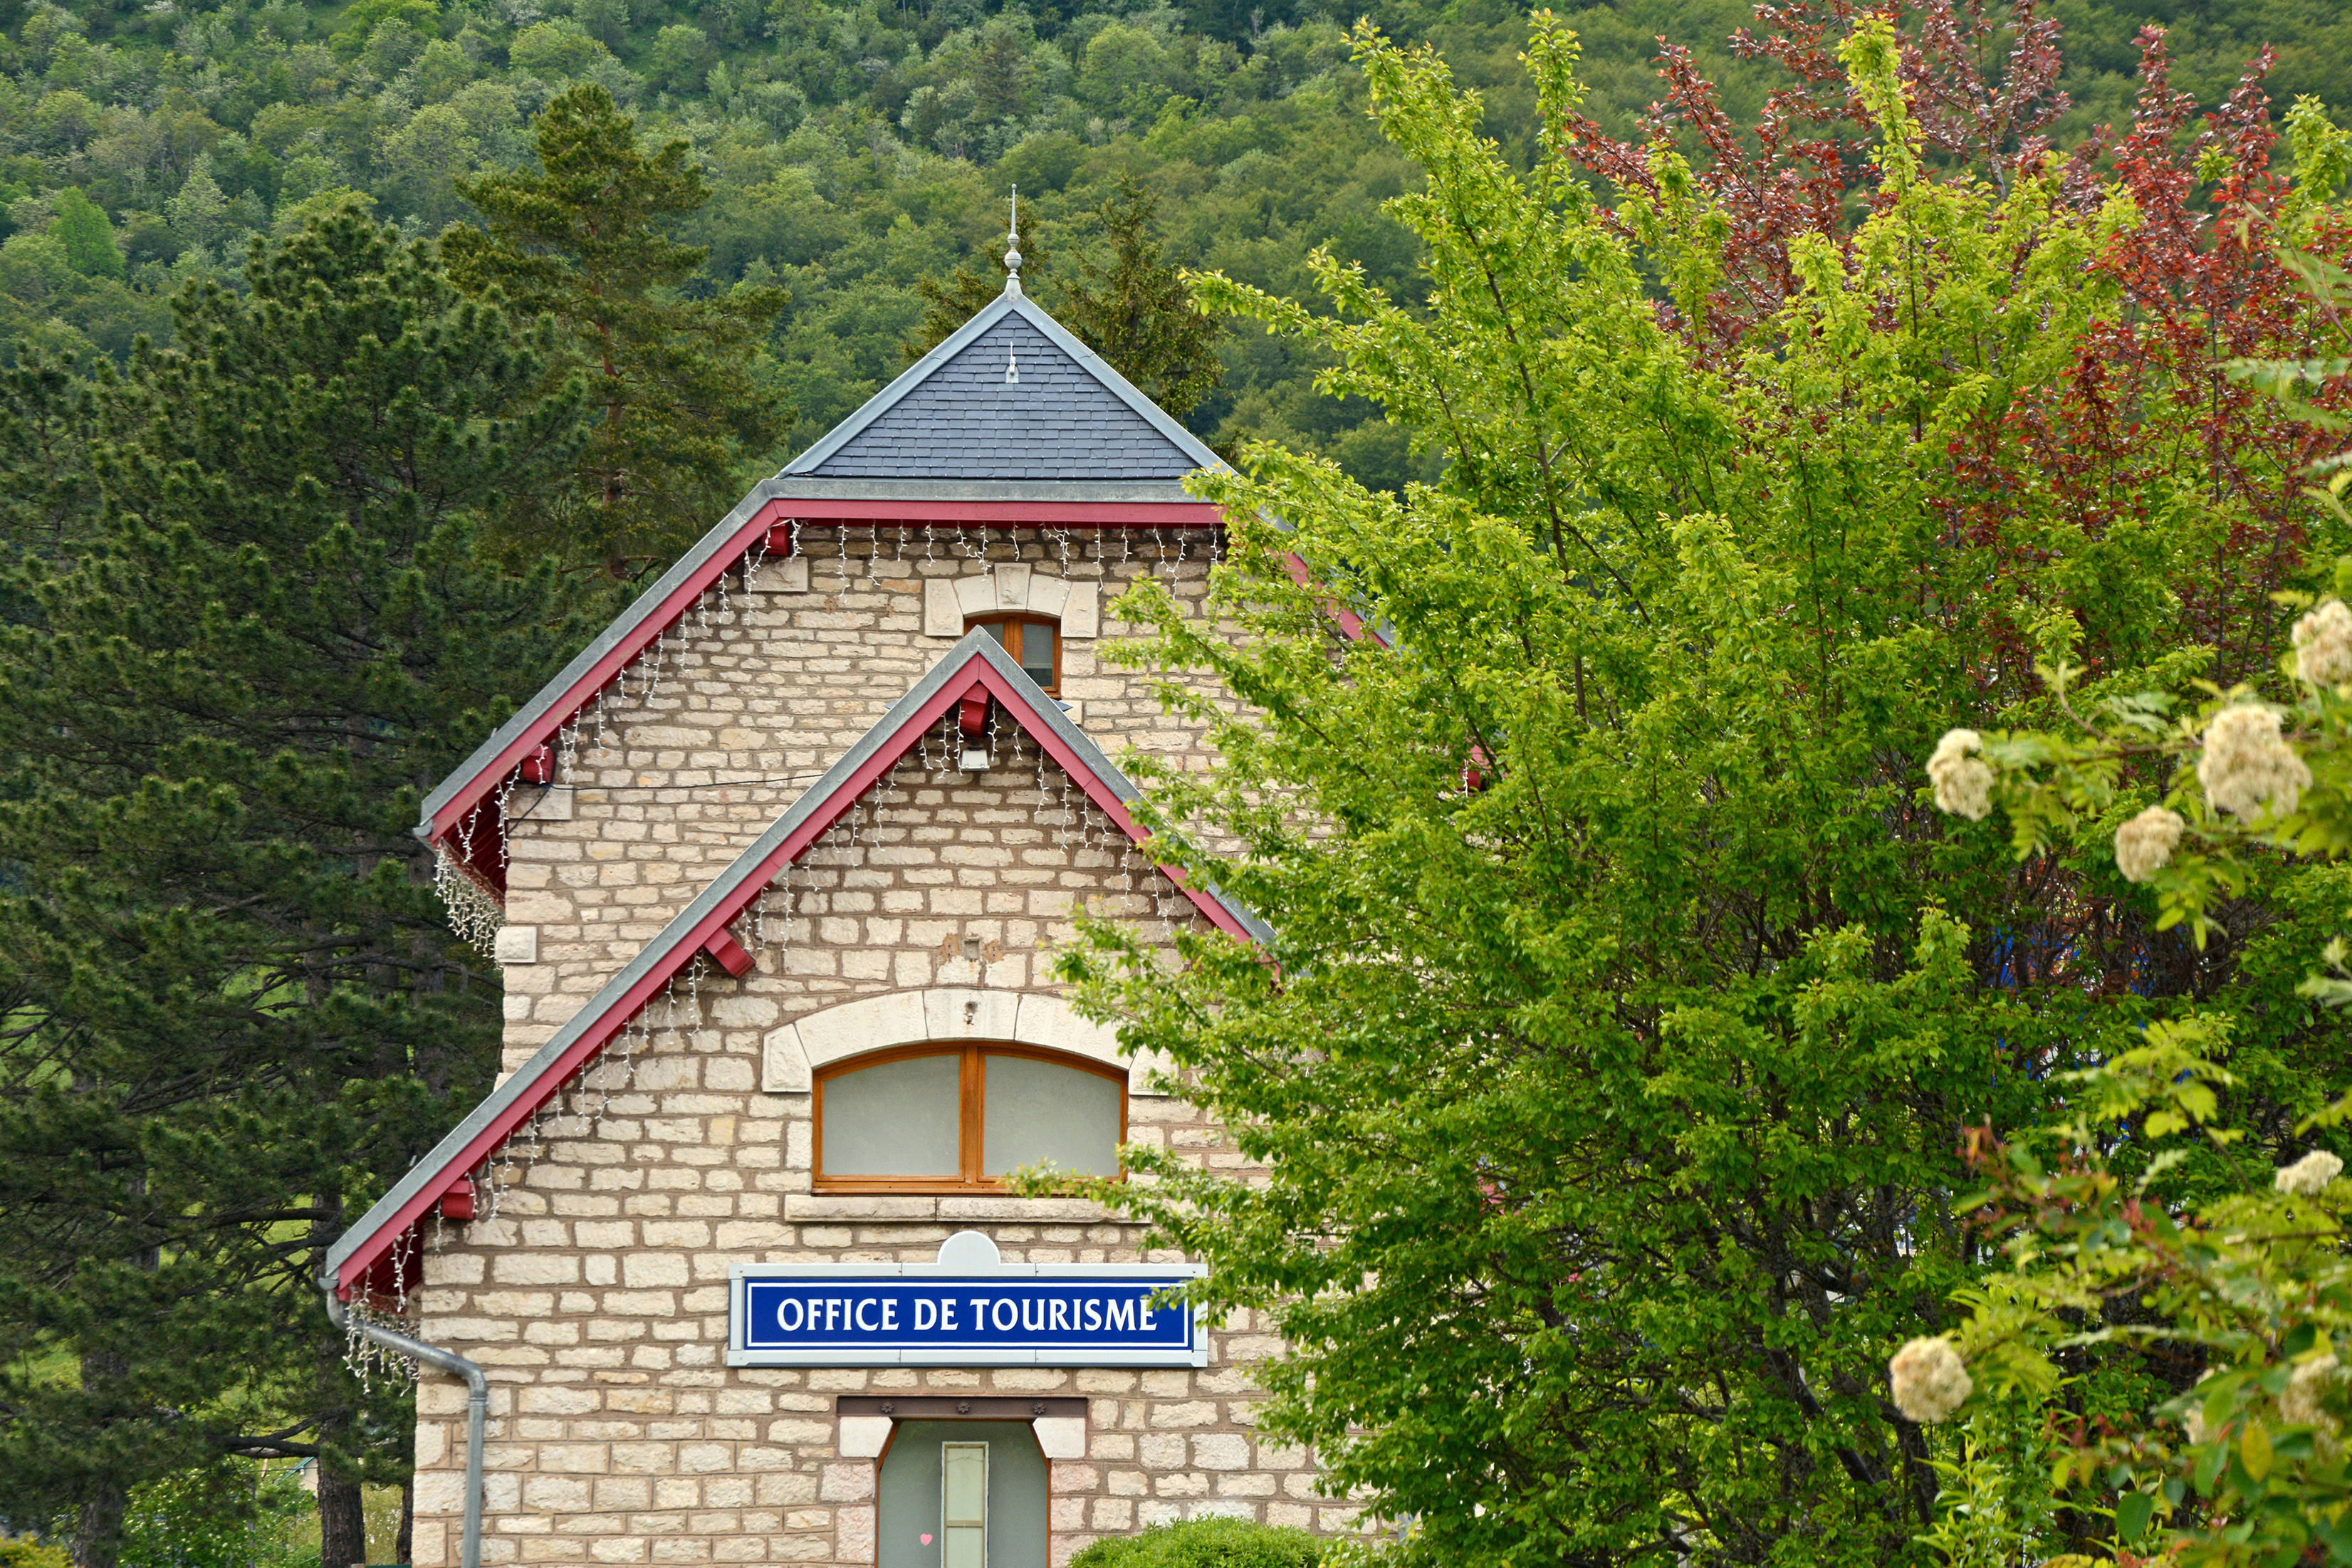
(478, 1409)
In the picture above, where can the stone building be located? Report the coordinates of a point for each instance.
(773, 872)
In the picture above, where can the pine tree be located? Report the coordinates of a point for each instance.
(682, 419)
(1138, 312)
(234, 1010)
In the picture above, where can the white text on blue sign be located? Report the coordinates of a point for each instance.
(978, 1320)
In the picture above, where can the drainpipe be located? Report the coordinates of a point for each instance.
(478, 1408)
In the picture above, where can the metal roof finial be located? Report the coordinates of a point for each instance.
(1013, 247)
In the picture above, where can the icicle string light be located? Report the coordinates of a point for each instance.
(474, 915)
(368, 1361)
(506, 816)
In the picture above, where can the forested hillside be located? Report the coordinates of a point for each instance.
(853, 151)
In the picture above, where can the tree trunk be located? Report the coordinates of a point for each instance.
(403, 1545)
(342, 1527)
(98, 1524)
(97, 1527)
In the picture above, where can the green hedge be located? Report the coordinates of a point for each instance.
(1205, 1543)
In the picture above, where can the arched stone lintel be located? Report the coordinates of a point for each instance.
(793, 1055)
(1014, 586)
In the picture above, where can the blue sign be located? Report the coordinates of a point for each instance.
(1014, 1315)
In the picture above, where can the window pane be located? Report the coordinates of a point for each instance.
(896, 1120)
(966, 1467)
(1037, 653)
(963, 1505)
(994, 629)
(1040, 1110)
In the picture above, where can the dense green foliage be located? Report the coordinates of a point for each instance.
(1204, 1543)
(237, 1515)
(1629, 999)
(856, 151)
(239, 649)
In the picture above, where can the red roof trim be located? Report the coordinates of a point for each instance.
(352, 1274)
(604, 671)
(1058, 513)
(1352, 625)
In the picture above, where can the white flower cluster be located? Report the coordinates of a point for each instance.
(1929, 1380)
(2309, 1176)
(2248, 765)
(1962, 778)
(2144, 845)
(2193, 1423)
(2323, 645)
(2307, 1386)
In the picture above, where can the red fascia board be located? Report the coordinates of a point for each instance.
(1065, 513)
(1088, 514)
(731, 956)
(583, 1050)
(601, 674)
(1352, 625)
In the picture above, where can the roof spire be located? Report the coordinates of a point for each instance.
(1013, 249)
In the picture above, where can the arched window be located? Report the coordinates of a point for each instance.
(925, 1119)
(1033, 641)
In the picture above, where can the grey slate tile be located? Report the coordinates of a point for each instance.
(967, 422)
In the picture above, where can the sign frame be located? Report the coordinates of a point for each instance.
(1195, 1353)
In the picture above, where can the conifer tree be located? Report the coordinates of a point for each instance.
(682, 421)
(966, 291)
(1137, 310)
(235, 1007)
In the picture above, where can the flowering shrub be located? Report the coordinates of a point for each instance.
(2247, 1466)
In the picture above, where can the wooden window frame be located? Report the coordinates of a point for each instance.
(971, 1125)
(1015, 618)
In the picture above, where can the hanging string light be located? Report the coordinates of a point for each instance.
(474, 915)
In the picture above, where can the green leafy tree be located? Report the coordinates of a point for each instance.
(81, 226)
(234, 1008)
(199, 209)
(682, 418)
(1205, 1543)
(607, 21)
(1627, 998)
(680, 58)
(560, 47)
(365, 19)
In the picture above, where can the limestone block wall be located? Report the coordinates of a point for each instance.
(594, 1289)
(759, 691)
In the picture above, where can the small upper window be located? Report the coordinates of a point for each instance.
(933, 1119)
(1034, 642)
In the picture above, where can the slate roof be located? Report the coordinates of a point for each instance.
(966, 421)
(977, 662)
(1069, 419)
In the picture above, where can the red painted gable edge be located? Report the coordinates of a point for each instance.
(375, 1254)
(478, 797)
